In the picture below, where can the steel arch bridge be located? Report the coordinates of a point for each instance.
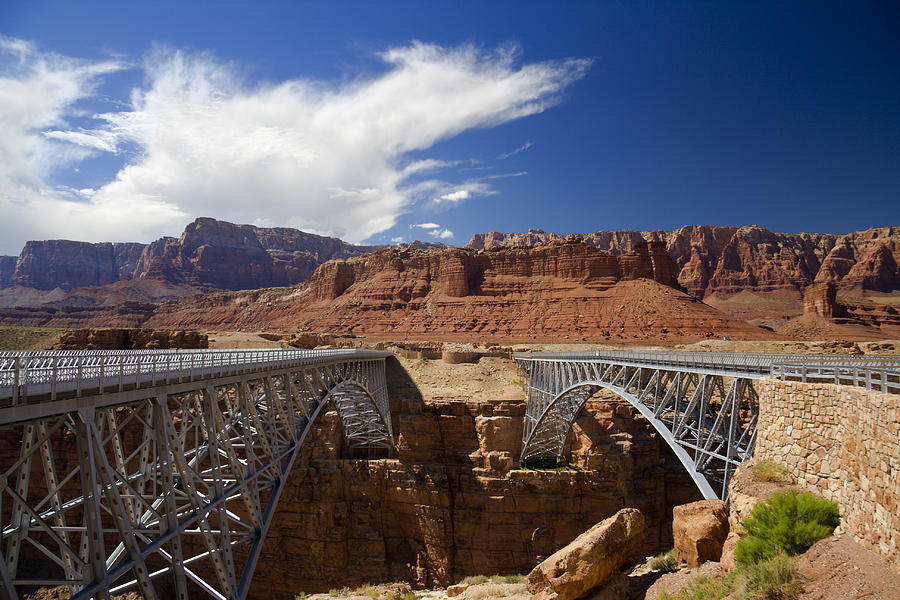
(160, 471)
(703, 404)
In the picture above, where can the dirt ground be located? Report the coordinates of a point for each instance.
(838, 567)
(491, 378)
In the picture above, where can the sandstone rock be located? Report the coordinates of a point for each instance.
(7, 268)
(130, 339)
(209, 254)
(456, 590)
(820, 299)
(591, 560)
(565, 288)
(725, 260)
(699, 529)
(66, 264)
(233, 257)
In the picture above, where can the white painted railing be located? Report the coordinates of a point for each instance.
(24, 374)
(880, 373)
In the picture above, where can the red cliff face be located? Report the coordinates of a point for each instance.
(563, 289)
(209, 254)
(714, 260)
(65, 264)
(234, 257)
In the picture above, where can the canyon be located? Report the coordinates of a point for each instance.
(453, 502)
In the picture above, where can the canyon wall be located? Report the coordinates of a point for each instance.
(130, 339)
(7, 268)
(65, 264)
(209, 254)
(726, 260)
(843, 443)
(452, 503)
(565, 289)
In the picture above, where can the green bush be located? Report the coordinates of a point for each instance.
(774, 579)
(665, 562)
(787, 522)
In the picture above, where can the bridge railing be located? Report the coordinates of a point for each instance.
(872, 372)
(24, 374)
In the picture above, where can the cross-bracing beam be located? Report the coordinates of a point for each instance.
(703, 405)
(168, 489)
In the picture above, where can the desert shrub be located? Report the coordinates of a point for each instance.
(788, 522)
(514, 578)
(546, 460)
(665, 562)
(475, 579)
(703, 588)
(776, 578)
(766, 470)
(300, 596)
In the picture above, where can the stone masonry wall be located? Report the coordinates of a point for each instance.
(844, 444)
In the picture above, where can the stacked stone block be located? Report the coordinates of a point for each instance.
(842, 443)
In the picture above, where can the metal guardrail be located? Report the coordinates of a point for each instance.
(880, 373)
(24, 374)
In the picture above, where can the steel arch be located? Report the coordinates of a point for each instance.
(707, 419)
(681, 453)
(702, 403)
(176, 475)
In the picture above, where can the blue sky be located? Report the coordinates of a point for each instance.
(394, 121)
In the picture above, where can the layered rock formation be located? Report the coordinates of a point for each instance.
(65, 264)
(452, 503)
(210, 254)
(726, 260)
(565, 288)
(822, 303)
(7, 268)
(234, 257)
(130, 339)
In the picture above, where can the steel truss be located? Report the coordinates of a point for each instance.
(699, 415)
(170, 489)
(702, 404)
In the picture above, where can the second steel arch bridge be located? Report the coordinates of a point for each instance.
(703, 404)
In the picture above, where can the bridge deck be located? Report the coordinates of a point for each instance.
(880, 373)
(31, 380)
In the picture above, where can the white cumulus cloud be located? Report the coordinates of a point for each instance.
(201, 140)
(441, 233)
(425, 225)
(454, 197)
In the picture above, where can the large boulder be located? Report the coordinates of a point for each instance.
(699, 529)
(589, 561)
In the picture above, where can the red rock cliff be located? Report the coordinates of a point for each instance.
(209, 254)
(726, 260)
(65, 264)
(565, 288)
